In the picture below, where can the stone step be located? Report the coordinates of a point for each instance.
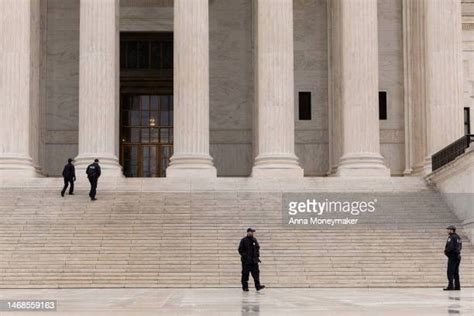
(189, 239)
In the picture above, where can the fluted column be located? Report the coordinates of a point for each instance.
(357, 85)
(275, 148)
(433, 79)
(98, 85)
(414, 85)
(15, 85)
(443, 73)
(191, 91)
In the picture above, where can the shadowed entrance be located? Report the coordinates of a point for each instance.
(146, 103)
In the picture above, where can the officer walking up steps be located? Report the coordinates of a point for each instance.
(452, 250)
(249, 251)
(69, 175)
(93, 174)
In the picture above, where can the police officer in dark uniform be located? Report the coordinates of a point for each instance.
(93, 174)
(249, 251)
(452, 250)
(69, 175)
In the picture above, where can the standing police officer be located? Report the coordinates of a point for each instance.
(69, 175)
(93, 174)
(452, 250)
(249, 251)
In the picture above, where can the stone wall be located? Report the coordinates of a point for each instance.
(311, 75)
(231, 86)
(391, 80)
(455, 182)
(62, 84)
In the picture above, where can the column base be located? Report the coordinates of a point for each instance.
(17, 167)
(362, 165)
(14, 169)
(418, 170)
(109, 166)
(276, 166)
(191, 166)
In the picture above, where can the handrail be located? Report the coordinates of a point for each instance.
(451, 152)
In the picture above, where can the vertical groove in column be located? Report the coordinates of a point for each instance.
(191, 89)
(98, 72)
(275, 101)
(15, 83)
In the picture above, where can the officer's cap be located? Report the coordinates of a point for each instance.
(250, 229)
(451, 227)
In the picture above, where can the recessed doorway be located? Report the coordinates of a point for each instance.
(146, 103)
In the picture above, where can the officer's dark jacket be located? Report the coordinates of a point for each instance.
(69, 171)
(249, 250)
(93, 170)
(453, 246)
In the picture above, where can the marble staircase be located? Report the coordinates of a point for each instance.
(160, 233)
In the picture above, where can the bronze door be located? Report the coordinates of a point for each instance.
(146, 134)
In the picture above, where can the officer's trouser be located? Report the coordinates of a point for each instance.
(248, 268)
(453, 273)
(93, 190)
(68, 181)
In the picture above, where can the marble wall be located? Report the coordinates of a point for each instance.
(311, 75)
(62, 84)
(231, 86)
(231, 79)
(391, 79)
(454, 182)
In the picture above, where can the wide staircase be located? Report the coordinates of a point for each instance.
(148, 236)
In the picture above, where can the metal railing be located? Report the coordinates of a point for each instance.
(450, 152)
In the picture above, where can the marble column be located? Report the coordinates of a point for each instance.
(443, 74)
(191, 91)
(16, 76)
(275, 148)
(99, 85)
(432, 32)
(414, 86)
(356, 83)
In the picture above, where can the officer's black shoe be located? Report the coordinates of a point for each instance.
(245, 290)
(457, 289)
(448, 289)
(71, 193)
(261, 287)
(62, 194)
(93, 199)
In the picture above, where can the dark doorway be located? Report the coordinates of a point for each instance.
(146, 103)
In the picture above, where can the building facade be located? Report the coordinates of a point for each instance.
(233, 87)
